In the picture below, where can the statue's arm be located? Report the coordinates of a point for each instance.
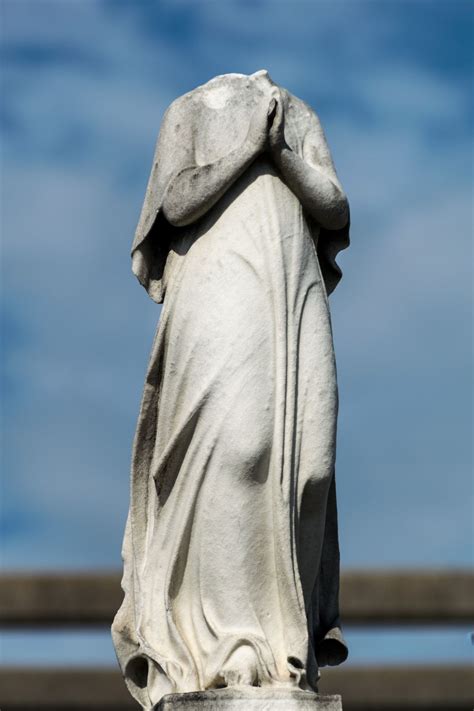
(313, 179)
(193, 189)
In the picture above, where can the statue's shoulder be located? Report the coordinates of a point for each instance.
(300, 113)
(179, 106)
(220, 93)
(215, 94)
(216, 89)
(300, 108)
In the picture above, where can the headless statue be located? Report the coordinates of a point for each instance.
(231, 559)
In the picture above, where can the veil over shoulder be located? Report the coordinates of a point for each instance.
(152, 235)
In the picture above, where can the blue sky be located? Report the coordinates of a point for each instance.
(85, 85)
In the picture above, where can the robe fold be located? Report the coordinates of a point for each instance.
(231, 560)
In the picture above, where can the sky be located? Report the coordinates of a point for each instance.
(84, 87)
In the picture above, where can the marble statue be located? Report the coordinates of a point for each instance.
(231, 560)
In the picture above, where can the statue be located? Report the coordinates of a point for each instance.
(231, 560)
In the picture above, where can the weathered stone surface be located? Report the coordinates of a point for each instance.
(231, 573)
(251, 699)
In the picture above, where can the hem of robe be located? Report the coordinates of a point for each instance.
(139, 668)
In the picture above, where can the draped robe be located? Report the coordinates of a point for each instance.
(231, 560)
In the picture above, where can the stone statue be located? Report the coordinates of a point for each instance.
(231, 560)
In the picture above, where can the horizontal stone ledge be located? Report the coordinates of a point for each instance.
(408, 688)
(440, 597)
(250, 699)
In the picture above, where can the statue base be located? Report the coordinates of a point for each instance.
(251, 698)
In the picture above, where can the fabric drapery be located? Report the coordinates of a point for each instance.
(231, 561)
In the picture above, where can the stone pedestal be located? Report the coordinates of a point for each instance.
(253, 699)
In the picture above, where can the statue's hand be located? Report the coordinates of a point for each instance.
(276, 135)
(260, 123)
